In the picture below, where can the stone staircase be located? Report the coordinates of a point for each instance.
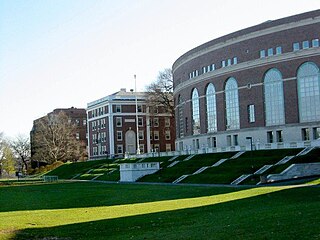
(189, 157)
(181, 178)
(263, 169)
(200, 170)
(238, 154)
(173, 163)
(305, 151)
(173, 158)
(240, 179)
(284, 160)
(219, 162)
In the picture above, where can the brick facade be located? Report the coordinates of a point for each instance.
(249, 70)
(118, 135)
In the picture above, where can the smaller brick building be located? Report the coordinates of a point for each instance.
(112, 126)
(77, 116)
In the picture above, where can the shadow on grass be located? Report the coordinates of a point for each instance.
(286, 214)
(90, 194)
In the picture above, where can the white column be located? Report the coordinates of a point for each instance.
(111, 129)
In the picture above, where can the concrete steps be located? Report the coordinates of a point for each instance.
(238, 154)
(173, 163)
(180, 178)
(263, 169)
(188, 158)
(240, 179)
(219, 162)
(284, 160)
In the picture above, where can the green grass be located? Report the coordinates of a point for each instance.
(70, 170)
(169, 174)
(117, 211)
(247, 163)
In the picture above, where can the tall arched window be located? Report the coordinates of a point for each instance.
(232, 104)
(195, 112)
(309, 92)
(211, 108)
(180, 129)
(273, 97)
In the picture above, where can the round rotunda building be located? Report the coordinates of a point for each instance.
(256, 88)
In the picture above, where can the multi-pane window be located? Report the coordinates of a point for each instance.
(211, 108)
(235, 140)
(168, 135)
(251, 114)
(167, 122)
(156, 122)
(156, 147)
(228, 140)
(180, 118)
(103, 123)
(103, 137)
(262, 53)
(195, 112)
(118, 108)
(316, 133)
(270, 137)
(119, 121)
(95, 151)
(235, 60)
(141, 134)
(77, 136)
(141, 148)
(273, 97)
(223, 63)
(168, 147)
(305, 134)
(279, 136)
(156, 135)
(305, 44)
(119, 135)
(140, 108)
(270, 51)
(140, 121)
(309, 92)
(315, 43)
(296, 46)
(119, 149)
(232, 104)
(84, 122)
(278, 50)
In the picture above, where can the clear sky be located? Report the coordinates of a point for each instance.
(63, 53)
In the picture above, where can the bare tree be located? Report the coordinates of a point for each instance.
(160, 92)
(55, 140)
(21, 148)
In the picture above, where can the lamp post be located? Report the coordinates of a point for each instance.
(137, 126)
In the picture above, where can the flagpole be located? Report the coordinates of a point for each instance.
(137, 126)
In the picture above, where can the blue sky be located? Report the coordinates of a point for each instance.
(63, 53)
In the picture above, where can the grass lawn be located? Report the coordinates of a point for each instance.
(247, 163)
(120, 211)
(169, 174)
